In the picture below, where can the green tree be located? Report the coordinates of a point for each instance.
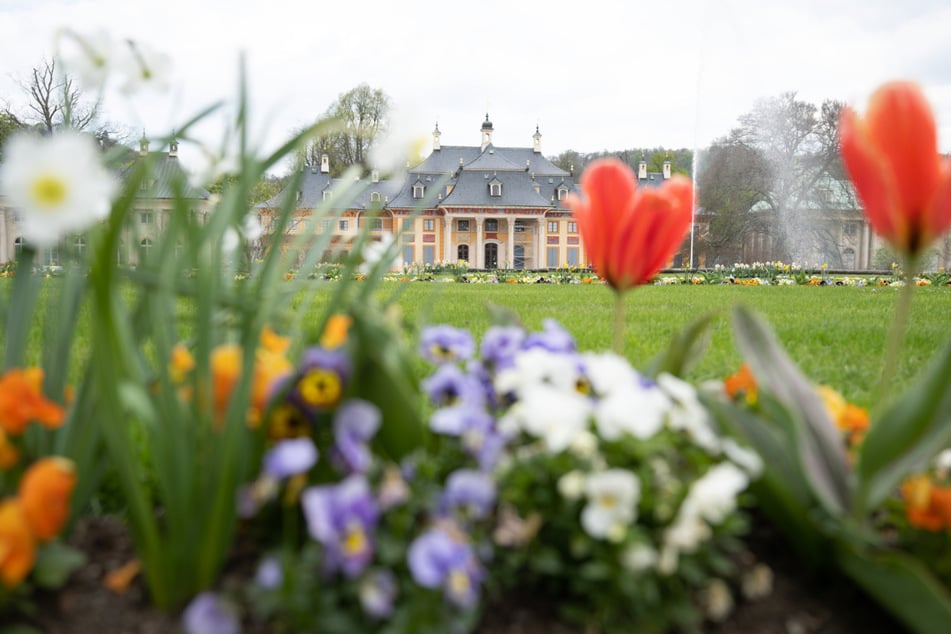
(359, 117)
(9, 124)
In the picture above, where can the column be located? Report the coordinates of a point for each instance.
(511, 245)
(417, 239)
(449, 254)
(4, 249)
(540, 243)
(479, 259)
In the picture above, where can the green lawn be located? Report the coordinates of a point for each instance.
(836, 334)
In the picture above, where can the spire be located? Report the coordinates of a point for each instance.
(667, 167)
(537, 141)
(436, 135)
(642, 168)
(143, 144)
(486, 132)
(173, 146)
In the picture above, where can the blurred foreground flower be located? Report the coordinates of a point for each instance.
(58, 184)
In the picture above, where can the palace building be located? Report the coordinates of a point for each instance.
(492, 207)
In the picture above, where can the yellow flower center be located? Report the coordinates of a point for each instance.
(607, 501)
(459, 582)
(356, 541)
(49, 191)
(320, 388)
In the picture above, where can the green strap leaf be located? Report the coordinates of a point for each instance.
(820, 450)
(910, 433)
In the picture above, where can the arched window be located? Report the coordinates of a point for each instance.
(145, 248)
(79, 247)
(462, 252)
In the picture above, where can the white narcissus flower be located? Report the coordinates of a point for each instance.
(90, 57)
(144, 68)
(404, 141)
(374, 251)
(57, 184)
(612, 503)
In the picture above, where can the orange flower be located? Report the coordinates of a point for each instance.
(44, 494)
(630, 233)
(226, 362)
(927, 506)
(892, 157)
(17, 545)
(22, 401)
(335, 332)
(9, 454)
(180, 364)
(273, 342)
(269, 367)
(743, 382)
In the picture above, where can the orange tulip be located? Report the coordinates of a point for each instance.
(630, 233)
(44, 494)
(17, 546)
(892, 157)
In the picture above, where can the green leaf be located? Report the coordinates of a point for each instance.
(819, 449)
(902, 585)
(55, 562)
(685, 349)
(908, 435)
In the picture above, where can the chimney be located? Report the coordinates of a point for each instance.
(173, 148)
(324, 164)
(667, 168)
(528, 164)
(436, 135)
(375, 176)
(537, 141)
(642, 169)
(143, 145)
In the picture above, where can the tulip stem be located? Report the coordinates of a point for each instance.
(897, 332)
(619, 323)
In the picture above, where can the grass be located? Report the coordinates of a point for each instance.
(836, 334)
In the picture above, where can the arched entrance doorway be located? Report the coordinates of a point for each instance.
(491, 255)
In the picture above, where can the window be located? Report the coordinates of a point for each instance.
(146, 218)
(572, 227)
(179, 249)
(553, 257)
(429, 224)
(145, 248)
(491, 225)
(419, 190)
(519, 254)
(519, 226)
(495, 189)
(326, 226)
(562, 193)
(462, 252)
(52, 256)
(18, 247)
(409, 255)
(463, 226)
(326, 195)
(552, 226)
(850, 229)
(848, 259)
(79, 247)
(376, 224)
(343, 225)
(374, 197)
(572, 256)
(429, 255)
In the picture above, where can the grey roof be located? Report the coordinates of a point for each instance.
(314, 183)
(654, 179)
(518, 190)
(311, 187)
(166, 179)
(446, 160)
(490, 160)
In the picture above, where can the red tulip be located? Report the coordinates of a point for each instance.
(892, 157)
(630, 233)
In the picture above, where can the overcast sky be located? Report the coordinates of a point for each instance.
(592, 74)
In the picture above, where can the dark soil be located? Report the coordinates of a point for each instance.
(797, 605)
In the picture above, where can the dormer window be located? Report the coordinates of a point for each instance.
(419, 190)
(326, 195)
(495, 187)
(562, 193)
(374, 197)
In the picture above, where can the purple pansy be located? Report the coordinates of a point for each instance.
(321, 379)
(269, 574)
(436, 560)
(449, 385)
(210, 614)
(355, 423)
(342, 517)
(553, 338)
(445, 344)
(472, 493)
(290, 457)
(475, 428)
(500, 345)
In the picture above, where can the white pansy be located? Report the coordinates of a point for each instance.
(745, 458)
(639, 557)
(638, 411)
(571, 485)
(717, 600)
(609, 373)
(687, 414)
(57, 184)
(612, 503)
(554, 416)
(584, 445)
(714, 493)
(535, 367)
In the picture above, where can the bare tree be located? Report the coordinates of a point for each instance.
(55, 101)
